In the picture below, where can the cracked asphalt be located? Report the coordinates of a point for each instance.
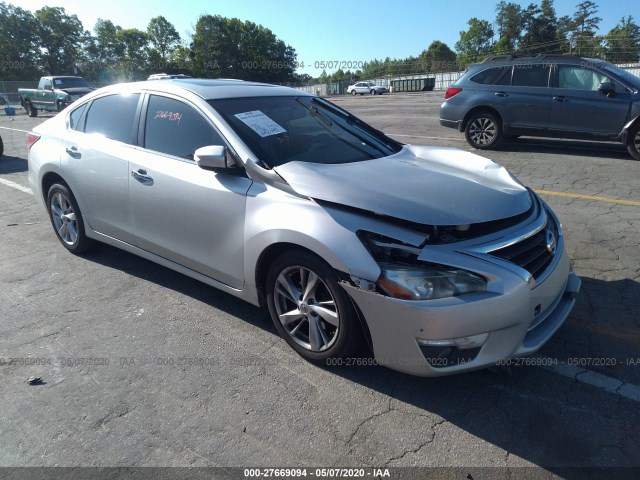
(144, 367)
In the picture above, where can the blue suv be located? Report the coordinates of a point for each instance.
(562, 96)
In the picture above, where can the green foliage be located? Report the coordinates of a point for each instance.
(476, 42)
(18, 53)
(438, 58)
(229, 48)
(622, 43)
(163, 37)
(58, 37)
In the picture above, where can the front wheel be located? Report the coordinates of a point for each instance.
(373, 92)
(353, 92)
(633, 144)
(483, 130)
(66, 219)
(310, 310)
(61, 105)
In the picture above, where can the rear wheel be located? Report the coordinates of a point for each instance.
(31, 110)
(66, 219)
(310, 310)
(633, 144)
(483, 130)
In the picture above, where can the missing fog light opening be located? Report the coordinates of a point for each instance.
(463, 343)
(452, 352)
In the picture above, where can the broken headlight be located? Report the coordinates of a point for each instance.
(404, 276)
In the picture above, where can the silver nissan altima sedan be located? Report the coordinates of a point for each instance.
(437, 260)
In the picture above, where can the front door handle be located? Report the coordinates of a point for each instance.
(501, 94)
(73, 152)
(142, 176)
(561, 99)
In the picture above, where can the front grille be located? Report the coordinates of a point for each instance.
(535, 253)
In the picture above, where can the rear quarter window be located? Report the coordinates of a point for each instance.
(113, 117)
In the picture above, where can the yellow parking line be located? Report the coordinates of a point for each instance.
(589, 197)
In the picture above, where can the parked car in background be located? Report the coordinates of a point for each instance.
(167, 76)
(562, 96)
(437, 258)
(366, 88)
(53, 94)
(4, 99)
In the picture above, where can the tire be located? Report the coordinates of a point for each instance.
(373, 92)
(1, 147)
(297, 285)
(61, 105)
(31, 110)
(483, 130)
(66, 219)
(354, 93)
(633, 142)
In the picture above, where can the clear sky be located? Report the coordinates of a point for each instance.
(328, 30)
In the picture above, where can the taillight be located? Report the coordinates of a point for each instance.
(32, 138)
(451, 91)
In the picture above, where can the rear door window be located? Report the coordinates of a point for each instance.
(530, 75)
(489, 76)
(113, 117)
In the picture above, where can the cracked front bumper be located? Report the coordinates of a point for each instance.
(518, 321)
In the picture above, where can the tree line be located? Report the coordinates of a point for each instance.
(51, 41)
(516, 30)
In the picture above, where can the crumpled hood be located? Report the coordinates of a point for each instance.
(428, 185)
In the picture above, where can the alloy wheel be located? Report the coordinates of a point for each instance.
(64, 218)
(306, 308)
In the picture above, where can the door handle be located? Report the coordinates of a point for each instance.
(561, 99)
(142, 176)
(73, 152)
(501, 94)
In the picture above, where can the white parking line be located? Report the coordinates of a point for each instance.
(595, 379)
(15, 129)
(17, 186)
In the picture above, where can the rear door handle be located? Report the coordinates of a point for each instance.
(73, 152)
(561, 99)
(142, 176)
(501, 94)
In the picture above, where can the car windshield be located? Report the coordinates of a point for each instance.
(625, 75)
(63, 83)
(306, 129)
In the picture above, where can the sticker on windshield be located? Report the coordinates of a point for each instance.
(260, 123)
(57, 82)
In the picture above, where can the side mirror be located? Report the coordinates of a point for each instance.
(607, 88)
(211, 157)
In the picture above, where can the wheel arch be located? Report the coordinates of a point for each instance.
(478, 109)
(48, 179)
(273, 251)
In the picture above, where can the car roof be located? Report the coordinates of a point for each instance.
(541, 58)
(212, 89)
